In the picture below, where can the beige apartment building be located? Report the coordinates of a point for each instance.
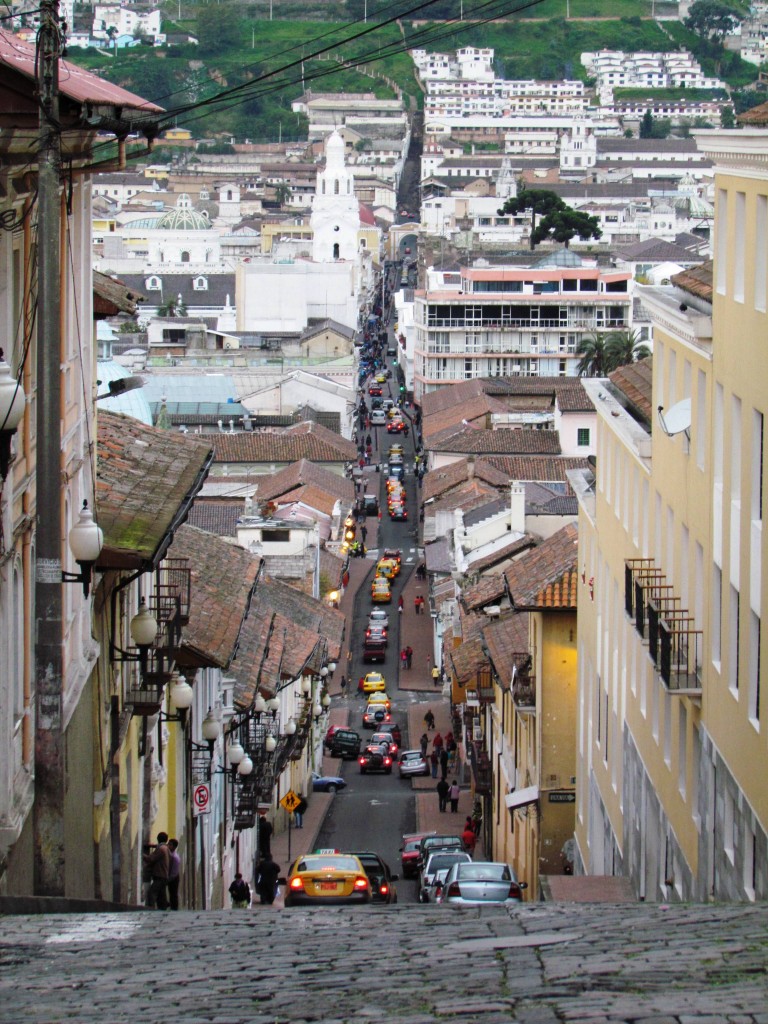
(672, 740)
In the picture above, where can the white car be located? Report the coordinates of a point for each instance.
(435, 870)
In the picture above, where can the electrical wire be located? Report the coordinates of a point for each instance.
(432, 32)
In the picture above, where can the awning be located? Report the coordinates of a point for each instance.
(521, 797)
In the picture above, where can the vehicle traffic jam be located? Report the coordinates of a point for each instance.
(442, 867)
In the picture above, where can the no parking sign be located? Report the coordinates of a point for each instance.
(201, 799)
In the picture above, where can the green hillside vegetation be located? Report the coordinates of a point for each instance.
(238, 44)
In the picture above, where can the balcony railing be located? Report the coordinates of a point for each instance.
(674, 645)
(481, 766)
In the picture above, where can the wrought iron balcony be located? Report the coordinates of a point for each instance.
(480, 764)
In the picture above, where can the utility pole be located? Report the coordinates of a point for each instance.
(48, 815)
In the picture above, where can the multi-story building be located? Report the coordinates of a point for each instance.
(672, 751)
(496, 321)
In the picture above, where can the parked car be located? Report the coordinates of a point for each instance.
(412, 762)
(479, 883)
(435, 869)
(345, 743)
(375, 760)
(409, 853)
(438, 842)
(327, 783)
(381, 878)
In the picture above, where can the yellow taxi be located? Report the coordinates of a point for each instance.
(380, 697)
(373, 682)
(387, 568)
(381, 592)
(327, 878)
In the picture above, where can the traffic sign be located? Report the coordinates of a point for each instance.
(290, 801)
(201, 799)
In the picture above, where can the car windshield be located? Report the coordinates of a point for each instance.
(325, 863)
(485, 873)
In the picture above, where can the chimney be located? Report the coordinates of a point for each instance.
(517, 506)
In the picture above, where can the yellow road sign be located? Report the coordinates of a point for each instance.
(290, 801)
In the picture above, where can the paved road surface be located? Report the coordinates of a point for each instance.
(542, 964)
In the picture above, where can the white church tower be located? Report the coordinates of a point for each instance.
(335, 218)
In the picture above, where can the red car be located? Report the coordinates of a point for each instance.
(409, 853)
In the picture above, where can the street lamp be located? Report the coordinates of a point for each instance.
(12, 403)
(85, 542)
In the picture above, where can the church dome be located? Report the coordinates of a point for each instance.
(183, 217)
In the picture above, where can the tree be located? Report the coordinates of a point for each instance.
(623, 348)
(563, 225)
(591, 348)
(711, 19)
(538, 200)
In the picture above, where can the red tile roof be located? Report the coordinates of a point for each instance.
(314, 442)
(144, 477)
(546, 578)
(223, 577)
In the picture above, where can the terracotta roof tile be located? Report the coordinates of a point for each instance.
(314, 442)
(546, 578)
(144, 476)
(223, 576)
(541, 468)
(504, 441)
(506, 639)
(636, 382)
(219, 517)
(305, 472)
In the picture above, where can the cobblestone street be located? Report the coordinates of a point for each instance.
(585, 964)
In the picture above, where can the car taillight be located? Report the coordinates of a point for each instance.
(514, 892)
(453, 889)
(297, 883)
(361, 882)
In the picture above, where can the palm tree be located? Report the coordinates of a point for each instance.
(623, 348)
(591, 348)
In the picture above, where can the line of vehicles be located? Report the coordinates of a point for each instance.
(444, 872)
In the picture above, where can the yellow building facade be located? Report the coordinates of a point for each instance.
(671, 744)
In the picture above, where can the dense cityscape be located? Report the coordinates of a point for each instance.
(381, 490)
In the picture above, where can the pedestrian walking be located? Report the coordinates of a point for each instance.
(343, 685)
(443, 790)
(158, 861)
(403, 658)
(469, 839)
(424, 744)
(266, 881)
(435, 676)
(433, 761)
(174, 874)
(240, 892)
(409, 656)
(265, 835)
(453, 795)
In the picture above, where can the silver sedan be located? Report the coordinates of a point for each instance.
(479, 883)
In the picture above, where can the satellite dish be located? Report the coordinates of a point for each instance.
(677, 419)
